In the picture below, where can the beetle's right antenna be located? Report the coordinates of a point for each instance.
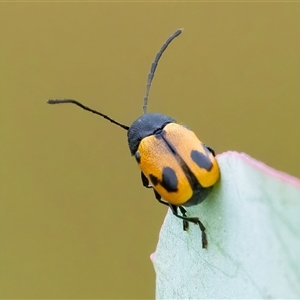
(154, 65)
(58, 101)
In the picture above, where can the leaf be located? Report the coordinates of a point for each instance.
(252, 221)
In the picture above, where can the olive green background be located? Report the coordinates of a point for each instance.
(75, 219)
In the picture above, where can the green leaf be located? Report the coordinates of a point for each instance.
(252, 221)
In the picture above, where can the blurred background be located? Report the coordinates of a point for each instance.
(76, 221)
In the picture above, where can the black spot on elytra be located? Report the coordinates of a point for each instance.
(154, 179)
(201, 160)
(138, 156)
(169, 180)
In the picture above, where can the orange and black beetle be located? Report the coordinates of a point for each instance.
(174, 162)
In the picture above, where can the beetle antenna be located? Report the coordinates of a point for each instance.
(154, 65)
(57, 101)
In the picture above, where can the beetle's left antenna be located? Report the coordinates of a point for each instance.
(154, 65)
(57, 101)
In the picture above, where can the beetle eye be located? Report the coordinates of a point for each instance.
(137, 156)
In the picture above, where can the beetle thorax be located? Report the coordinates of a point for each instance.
(144, 126)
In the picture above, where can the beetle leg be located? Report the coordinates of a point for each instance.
(185, 219)
(183, 211)
(210, 149)
(146, 184)
(194, 220)
(185, 222)
(158, 198)
(145, 181)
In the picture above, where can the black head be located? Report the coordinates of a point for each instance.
(146, 125)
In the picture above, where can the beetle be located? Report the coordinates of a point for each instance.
(179, 168)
